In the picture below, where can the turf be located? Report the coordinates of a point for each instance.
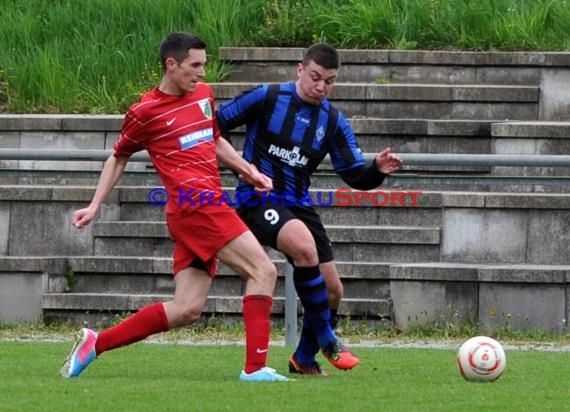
(180, 377)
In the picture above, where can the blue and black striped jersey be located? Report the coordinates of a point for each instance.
(287, 138)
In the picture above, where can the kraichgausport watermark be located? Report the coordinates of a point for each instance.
(342, 197)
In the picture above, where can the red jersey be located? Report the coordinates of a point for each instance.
(179, 133)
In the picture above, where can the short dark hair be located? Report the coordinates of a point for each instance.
(177, 44)
(323, 54)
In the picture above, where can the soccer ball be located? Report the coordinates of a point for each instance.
(481, 359)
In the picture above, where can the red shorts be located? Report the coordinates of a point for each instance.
(202, 233)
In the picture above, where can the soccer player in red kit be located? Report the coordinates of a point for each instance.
(175, 122)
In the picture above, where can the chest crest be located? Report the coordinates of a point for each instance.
(204, 105)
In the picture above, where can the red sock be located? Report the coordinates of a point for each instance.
(256, 312)
(147, 321)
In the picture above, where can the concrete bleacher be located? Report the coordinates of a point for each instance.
(488, 243)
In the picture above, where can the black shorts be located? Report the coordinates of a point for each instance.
(266, 218)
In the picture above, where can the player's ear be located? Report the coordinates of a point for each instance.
(300, 69)
(170, 63)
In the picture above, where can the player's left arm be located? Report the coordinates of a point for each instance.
(372, 176)
(349, 162)
(387, 162)
(227, 155)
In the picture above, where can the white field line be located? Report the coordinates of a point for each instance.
(530, 346)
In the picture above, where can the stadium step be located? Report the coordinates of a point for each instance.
(511, 296)
(398, 66)
(406, 135)
(104, 309)
(351, 243)
(45, 212)
(101, 286)
(423, 101)
(342, 209)
(98, 289)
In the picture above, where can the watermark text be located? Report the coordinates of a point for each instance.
(343, 197)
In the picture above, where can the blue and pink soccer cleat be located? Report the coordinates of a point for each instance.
(81, 355)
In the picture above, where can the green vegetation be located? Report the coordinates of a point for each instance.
(416, 24)
(181, 377)
(98, 56)
(354, 332)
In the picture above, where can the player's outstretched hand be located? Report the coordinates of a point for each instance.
(82, 217)
(388, 162)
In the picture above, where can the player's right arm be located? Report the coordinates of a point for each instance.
(110, 175)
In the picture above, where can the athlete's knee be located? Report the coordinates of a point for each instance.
(305, 255)
(190, 315)
(334, 285)
(264, 271)
(183, 314)
(335, 293)
(297, 242)
(262, 279)
(268, 271)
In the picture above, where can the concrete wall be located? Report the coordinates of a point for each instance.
(23, 282)
(548, 70)
(554, 94)
(497, 258)
(501, 259)
(516, 297)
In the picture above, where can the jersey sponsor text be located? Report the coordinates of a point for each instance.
(192, 139)
(291, 157)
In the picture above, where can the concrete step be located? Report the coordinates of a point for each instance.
(368, 128)
(134, 206)
(105, 309)
(425, 211)
(409, 135)
(104, 286)
(144, 275)
(516, 296)
(402, 135)
(100, 132)
(532, 129)
(410, 66)
(432, 178)
(23, 280)
(351, 243)
(423, 101)
(546, 70)
(337, 233)
(513, 296)
(509, 226)
(531, 138)
(405, 135)
(59, 177)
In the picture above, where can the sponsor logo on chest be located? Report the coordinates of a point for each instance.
(192, 139)
(291, 157)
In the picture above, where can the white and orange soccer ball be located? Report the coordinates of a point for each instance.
(481, 359)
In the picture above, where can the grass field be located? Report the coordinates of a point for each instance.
(181, 377)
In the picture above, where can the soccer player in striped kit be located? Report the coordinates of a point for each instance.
(290, 128)
(175, 123)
